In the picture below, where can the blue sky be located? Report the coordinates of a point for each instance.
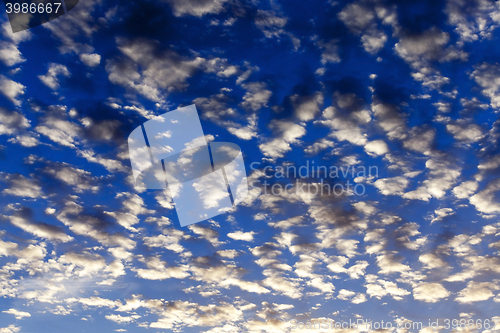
(409, 87)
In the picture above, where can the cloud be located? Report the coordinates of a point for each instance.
(462, 131)
(269, 23)
(330, 52)
(12, 121)
(357, 17)
(465, 189)
(432, 261)
(427, 45)
(390, 119)
(442, 176)
(149, 71)
(21, 186)
(347, 120)
(430, 292)
(484, 201)
(91, 60)
(9, 51)
(215, 109)
(10, 54)
(206, 233)
(486, 76)
(440, 214)
(391, 186)
(82, 223)
(476, 292)
(473, 20)
(256, 97)
(376, 147)
(51, 78)
(420, 139)
(11, 90)
(10, 329)
(380, 288)
(80, 180)
(286, 134)
(122, 319)
(72, 30)
(243, 236)
(318, 146)
(169, 240)
(281, 284)
(18, 314)
(196, 8)
(42, 230)
(307, 107)
(54, 125)
(361, 19)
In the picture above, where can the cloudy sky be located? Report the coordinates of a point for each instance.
(409, 88)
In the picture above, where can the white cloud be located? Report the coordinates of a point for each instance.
(287, 133)
(10, 329)
(306, 108)
(485, 200)
(476, 292)
(51, 78)
(466, 189)
(9, 51)
(330, 52)
(391, 186)
(22, 187)
(122, 319)
(269, 23)
(486, 76)
(12, 121)
(11, 90)
(376, 147)
(473, 20)
(18, 314)
(465, 132)
(40, 230)
(91, 60)
(430, 292)
(196, 8)
(256, 97)
(150, 72)
(240, 235)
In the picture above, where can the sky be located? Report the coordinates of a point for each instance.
(397, 100)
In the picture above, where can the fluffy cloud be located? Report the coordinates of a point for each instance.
(12, 121)
(21, 186)
(240, 235)
(476, 292)
(11, 90)
(430, 292)
(486, 76)
(150, 72)
(9, 51)
(196, 8)
(18, 314)
(286, 134)
(91, 60)
(51, 78)
(485, 200)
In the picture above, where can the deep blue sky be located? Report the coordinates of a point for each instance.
(411, 87)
